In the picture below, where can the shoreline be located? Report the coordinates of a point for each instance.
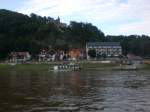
(85, 65)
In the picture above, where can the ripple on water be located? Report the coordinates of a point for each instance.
(85, 91)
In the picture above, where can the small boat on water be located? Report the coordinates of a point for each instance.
(64, 67)
(127, 67)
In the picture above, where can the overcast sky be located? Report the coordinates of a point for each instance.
(113, 17)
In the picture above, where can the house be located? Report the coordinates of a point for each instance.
(19, 56)
(44, 55)
(75, 54)
(109, 49)
(59, 55)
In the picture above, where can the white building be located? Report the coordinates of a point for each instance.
(109, 49)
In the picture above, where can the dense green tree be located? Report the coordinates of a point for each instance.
(92, 53)
(85, 32)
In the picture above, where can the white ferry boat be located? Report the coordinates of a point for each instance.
(64, 67)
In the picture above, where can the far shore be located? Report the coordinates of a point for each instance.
(85, 65)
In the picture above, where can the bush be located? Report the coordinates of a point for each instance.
(92, 53)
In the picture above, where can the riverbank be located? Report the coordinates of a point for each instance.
(85, 65)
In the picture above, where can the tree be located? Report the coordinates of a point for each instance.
(92, 53)
(104, 56)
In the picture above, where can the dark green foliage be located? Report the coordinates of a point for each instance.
(92, 53)
(104, 56)
(85, 32)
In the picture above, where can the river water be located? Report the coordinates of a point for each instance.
(79, 91)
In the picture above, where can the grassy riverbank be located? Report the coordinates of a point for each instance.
(24, 67)
(44, 67)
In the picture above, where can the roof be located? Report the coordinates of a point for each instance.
(20, 53)
(103, 44)
(74, 49)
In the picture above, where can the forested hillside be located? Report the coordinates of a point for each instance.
(19, 32)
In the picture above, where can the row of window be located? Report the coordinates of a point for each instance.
(111, 50)
(111, 47)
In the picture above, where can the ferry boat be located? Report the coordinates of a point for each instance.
(127, 67)
(64, 67)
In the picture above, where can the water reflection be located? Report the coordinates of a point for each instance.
(86, 91)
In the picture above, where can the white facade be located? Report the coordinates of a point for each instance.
(109, 49)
